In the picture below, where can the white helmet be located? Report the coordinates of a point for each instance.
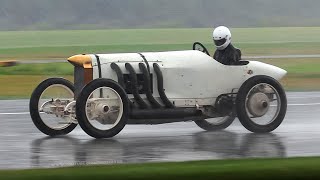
(221, 37)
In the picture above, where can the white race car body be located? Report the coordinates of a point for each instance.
(190, 77)
(112, 90)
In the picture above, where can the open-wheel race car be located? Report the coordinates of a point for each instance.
(112, 90)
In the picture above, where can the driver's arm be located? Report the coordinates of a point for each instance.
(235, 57)
(215, 55)
(239, 54)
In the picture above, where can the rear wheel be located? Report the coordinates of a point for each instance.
(47, 105)
(102, 108)
(261, 104)
(214, 124)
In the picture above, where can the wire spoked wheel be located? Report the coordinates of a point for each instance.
(261, 104)
(102, 108)
(47, 107)
(105, 111)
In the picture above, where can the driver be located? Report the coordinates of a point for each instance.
(226, 53)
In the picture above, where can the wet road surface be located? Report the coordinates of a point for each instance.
(23, 146)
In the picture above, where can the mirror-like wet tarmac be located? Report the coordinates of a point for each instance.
(23, 146)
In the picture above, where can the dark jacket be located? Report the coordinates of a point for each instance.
(229, 56)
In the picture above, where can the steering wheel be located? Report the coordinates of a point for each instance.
(200, 47)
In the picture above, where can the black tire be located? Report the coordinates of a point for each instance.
(204, 124)
(241, 107)
(34, 107)
(81, 108)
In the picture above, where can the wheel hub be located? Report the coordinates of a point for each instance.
(102, 108)
(258, 104)
(104, 113)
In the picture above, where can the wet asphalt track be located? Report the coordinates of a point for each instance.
(23, 146)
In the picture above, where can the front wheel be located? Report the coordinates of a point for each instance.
(261, 104)
(47, 107)
(102, 108)
(214, 124)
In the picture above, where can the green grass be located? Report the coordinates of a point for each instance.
(15, 39)
(303, 74)
(294, 168)
(297, 67)
(62, 44)
(62, 52)
(21, 86)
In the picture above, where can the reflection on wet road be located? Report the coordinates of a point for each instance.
(203, 145)
(23, 146)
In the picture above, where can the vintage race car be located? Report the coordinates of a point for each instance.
(112, 90)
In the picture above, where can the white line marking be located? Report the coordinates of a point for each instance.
(302, 97)
(18, 113)
(311, 104)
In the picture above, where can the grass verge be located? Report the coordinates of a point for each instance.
(19, 81)
(21, 86)
(293, 168)
(64, 43)
(297, 67)
(63, 52)
(303, 74)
